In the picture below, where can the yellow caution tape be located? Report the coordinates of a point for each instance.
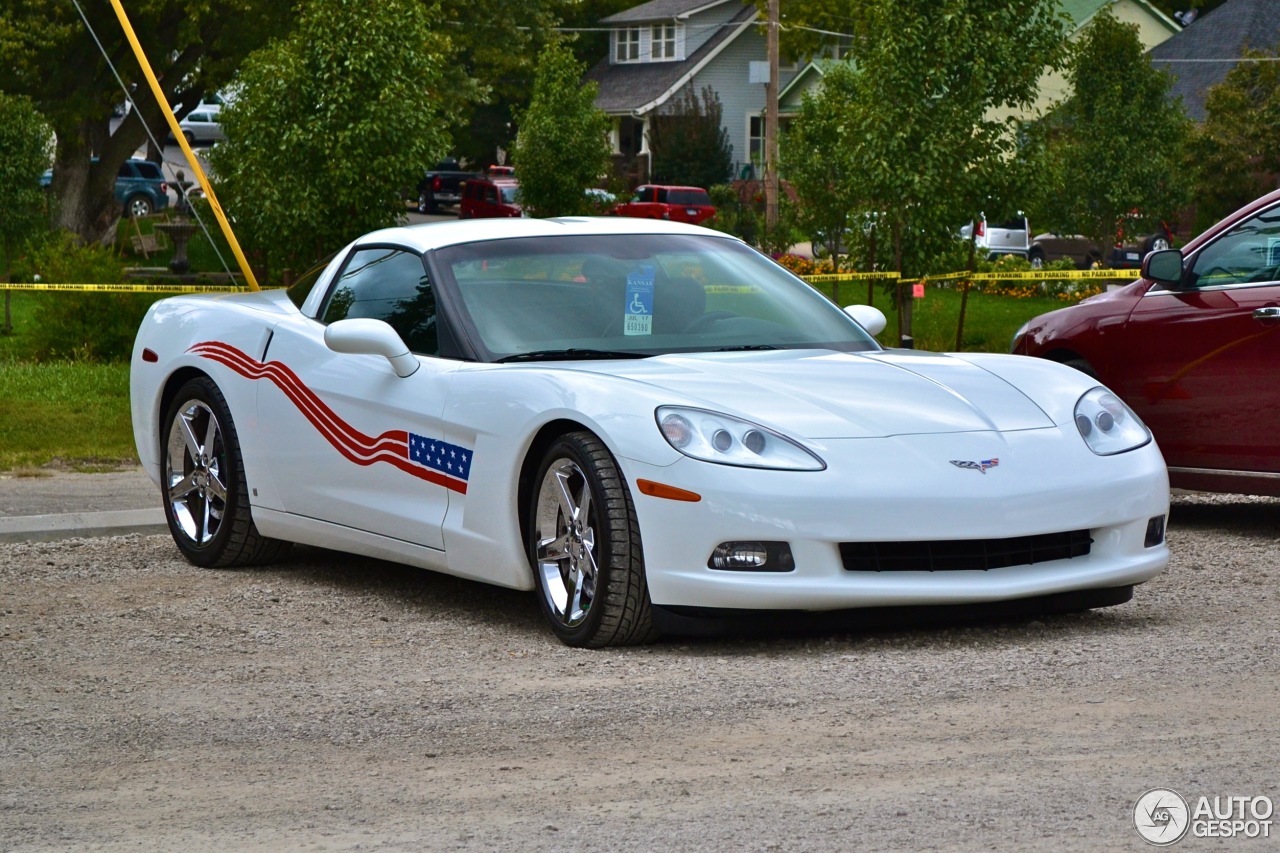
(852, 276)
(123, 288)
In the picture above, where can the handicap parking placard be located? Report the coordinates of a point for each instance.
(639, 308)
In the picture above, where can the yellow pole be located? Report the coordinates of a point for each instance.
(186, 149)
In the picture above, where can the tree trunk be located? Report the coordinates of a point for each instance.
(905, 301)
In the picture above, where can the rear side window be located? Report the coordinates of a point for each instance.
(146, 169)
(387, 284)
(688, 197)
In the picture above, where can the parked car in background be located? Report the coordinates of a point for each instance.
(202, 127)
(1125, 253)
(489, 198)
(1192, 347)
(1010, 236)
(677, 204)
(442, 186)
(141, 187)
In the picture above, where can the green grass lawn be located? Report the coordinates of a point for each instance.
(77, 414)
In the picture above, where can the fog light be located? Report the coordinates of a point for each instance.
(1155, 532)
(752, 557)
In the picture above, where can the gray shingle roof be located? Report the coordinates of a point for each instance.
(626, 87)
(658, 10)
(1221, 34)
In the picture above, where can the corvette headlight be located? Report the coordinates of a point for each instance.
(1107, 425)
(713, 437)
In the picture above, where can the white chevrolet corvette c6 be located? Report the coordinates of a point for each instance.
(642, 421)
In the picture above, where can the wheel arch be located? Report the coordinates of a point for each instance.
(525, 485)
(175, 381)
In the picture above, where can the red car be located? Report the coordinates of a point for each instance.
(1193, 347)
(678, 204)
(489, 198)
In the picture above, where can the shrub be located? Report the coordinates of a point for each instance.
(82, 326)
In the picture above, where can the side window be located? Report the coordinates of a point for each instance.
(1248, 253)
(662, 195)
(387, 284)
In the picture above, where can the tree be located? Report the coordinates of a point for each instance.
(688, 144)
(562, 148)
(1233, 155)
(929, 75)
(49, 54)
(24, 154)
(820, 159)
(328, 125)
(1114, 146)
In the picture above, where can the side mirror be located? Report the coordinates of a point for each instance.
(868, 317)
(366, 336)
(1164, 266)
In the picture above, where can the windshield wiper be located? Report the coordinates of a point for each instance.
(572, 354)
(746, 347)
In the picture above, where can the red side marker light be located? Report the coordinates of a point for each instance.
(662, 490)
(149, 355)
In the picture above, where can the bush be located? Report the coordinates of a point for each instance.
(82, 326)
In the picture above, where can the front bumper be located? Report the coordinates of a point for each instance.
(905, 489)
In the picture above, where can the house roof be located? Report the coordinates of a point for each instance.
(1204, 53)
(661, 10)
(636, 87)
(1080, 11)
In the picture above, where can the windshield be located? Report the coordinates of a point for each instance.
(635, 295)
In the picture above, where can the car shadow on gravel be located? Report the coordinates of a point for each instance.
(400, 587)
(428, 595)
(1241, 515)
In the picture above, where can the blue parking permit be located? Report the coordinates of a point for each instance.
(638, 319)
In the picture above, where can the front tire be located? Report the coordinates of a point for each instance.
(205, 497)
(584, 547)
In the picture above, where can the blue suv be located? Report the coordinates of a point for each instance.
(140, 187)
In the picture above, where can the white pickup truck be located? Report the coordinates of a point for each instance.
(1007, 237)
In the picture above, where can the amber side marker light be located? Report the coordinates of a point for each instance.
(662, 490)
(149, 355)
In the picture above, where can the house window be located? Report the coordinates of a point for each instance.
(664, 41)
(628, 45)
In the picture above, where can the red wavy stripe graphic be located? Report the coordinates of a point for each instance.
(391, 446)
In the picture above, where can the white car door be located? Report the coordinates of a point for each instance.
(351, 442)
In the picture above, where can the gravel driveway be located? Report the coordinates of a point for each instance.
(334, 703)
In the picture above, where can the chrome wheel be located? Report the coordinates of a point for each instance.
(195, 472)
(139, 206)
(565, 542)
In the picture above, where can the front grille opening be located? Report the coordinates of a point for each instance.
(958, 555)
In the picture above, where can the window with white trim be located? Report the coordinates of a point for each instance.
(628, 45)
(664, 41)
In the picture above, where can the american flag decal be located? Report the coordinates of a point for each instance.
(449, 459)
(430, 459)
(980, 467)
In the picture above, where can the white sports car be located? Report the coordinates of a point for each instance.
(643, 421)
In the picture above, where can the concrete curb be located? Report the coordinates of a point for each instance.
(39, 528)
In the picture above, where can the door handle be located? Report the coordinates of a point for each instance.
(1270, 313)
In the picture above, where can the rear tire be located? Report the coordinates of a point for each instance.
(584, 547)
(138, 206)
(203, 486)
(1083, 366)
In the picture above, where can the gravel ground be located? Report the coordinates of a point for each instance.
(335, 703)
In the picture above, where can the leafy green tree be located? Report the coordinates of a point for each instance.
(327, 126)
(820, 159)
(24, 154)
(1114, 147)
(563, 147)
(1234, 155)
(48, 53)
(920, 111)
(688, 143)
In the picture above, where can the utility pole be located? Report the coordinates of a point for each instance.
(771, 123)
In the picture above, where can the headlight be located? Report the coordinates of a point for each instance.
(1107, 425)
(713, 437)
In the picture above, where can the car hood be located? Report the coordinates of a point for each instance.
(815, 394)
